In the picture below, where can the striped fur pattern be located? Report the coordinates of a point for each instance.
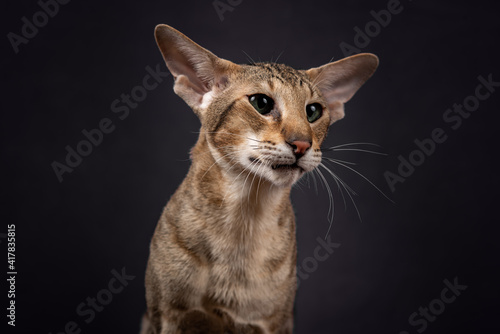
(223, 255)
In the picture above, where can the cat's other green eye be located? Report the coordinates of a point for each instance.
(262, 103)
(314, 111)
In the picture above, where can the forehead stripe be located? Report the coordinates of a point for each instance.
(222, 116)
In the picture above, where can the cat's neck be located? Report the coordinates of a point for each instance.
(242, 196)
(238, 222)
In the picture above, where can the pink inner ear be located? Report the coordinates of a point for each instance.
(197, 71)
(179, 64)
(194, 82)
(184, 85)
(340, 80)
(336, 109)
(340, 93)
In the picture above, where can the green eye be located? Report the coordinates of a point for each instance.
(262, 103)
(314, 111)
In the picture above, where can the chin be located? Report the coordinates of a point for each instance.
(285, 177)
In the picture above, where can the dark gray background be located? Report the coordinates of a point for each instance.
(70, 235)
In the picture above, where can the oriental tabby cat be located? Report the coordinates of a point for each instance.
(223, 256)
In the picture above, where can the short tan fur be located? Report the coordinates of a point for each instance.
(223, 255)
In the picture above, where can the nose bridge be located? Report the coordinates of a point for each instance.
(296, 127)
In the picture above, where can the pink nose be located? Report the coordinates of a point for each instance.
(300, 147)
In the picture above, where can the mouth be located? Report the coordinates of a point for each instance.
(279, 167)
(291, 167)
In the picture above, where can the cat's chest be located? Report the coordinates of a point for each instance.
(253, 263)
(248, 242)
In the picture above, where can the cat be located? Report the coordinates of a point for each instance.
(223, 255)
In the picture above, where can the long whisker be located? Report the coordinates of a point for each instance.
(245, 169)
(315, 183)
(364, 177)
(308, 180)
(330, 196)
(216, 161)
(355, 149)
(343, 161)
(352, 144)
(258, 185)
(254, 175)
(347, 189)
(299, 184)
(251, 171)
(337, 182)
(228, 188)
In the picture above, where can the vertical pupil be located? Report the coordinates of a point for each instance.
(262, 102)
(312, 110)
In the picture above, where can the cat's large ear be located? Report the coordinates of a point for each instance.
(338, 81)
(198, 73)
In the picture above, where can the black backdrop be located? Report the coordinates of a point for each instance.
(72, 235)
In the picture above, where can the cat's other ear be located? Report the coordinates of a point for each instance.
(338, 81)
(198, 73)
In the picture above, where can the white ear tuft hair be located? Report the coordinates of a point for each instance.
(196, 70)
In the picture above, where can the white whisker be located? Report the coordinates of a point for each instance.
(364, 177)
(337, 182)
(356, 149)
(352, 144)
(222, 157)
(330, 196)
(347, 189)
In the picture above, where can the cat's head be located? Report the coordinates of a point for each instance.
(265, 119)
